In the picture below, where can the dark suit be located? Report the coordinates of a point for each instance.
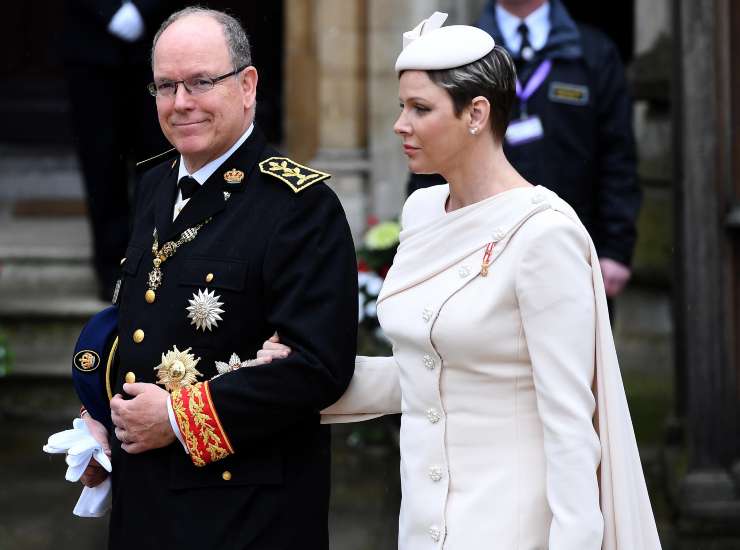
(114, 117)
(280, 261)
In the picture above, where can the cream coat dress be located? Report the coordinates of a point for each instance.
(515, 431)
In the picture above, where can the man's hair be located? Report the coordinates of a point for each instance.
(236, 39)
(492, 76)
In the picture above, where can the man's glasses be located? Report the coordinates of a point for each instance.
(194, 86)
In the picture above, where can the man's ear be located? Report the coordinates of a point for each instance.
(248, 81)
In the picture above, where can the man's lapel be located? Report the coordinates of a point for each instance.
(231, 177)
(164, 201)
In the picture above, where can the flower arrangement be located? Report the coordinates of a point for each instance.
(374, 259)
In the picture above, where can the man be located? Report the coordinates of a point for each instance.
(571, 129)
(249, 243)
(105, 48)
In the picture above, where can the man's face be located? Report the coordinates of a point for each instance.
(201, 127)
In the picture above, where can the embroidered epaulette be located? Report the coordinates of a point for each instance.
(297, 176)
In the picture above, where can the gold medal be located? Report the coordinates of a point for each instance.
(177, 369)
(150, 296)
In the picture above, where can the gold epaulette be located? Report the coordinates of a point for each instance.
(297, 176)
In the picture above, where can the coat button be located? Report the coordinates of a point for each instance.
(226, 476)
(435, 533)
(130, 378)
(429, 362)
(463, 271)
(138, 336)
(499, 233)
(435, 473)
(433, 415)
(209, 277)
(427, 314)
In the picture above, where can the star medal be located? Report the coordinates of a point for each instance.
(177, 369)
(204, 310)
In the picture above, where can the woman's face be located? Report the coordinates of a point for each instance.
(432, 135)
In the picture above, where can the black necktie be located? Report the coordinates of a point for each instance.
(188, 186)
(526, 52)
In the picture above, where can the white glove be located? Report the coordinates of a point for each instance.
(127, 23)
(81, 447)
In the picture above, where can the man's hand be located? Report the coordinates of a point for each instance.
(615, 276)
(95, 474)
(142, 423)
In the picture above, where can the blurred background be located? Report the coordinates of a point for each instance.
(328, 97)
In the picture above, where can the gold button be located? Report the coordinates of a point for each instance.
(209, 277)
(226, 475)
(130, 378)
(123, 260)
(138, 336)
(150, 296)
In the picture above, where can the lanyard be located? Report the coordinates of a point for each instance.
(538, 77)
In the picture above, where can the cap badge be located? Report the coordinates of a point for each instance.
(86, 360)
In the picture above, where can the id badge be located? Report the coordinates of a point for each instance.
(524, 130)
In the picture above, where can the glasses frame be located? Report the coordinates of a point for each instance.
(152, 86)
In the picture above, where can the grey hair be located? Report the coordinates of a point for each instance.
(492, 76)
(236, 38)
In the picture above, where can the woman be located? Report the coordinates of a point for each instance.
(515, 429)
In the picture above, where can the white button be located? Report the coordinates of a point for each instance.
(538, 198)
(435, 533)
(463, 271)
(433, 415)
(427, 314)
(435, 473)
(429, 362)
(499, 233)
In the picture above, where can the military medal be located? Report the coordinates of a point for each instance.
(161, 254)
(234, 364)
(177, 369)
(204, 310)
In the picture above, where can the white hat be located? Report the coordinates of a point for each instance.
(429, 46)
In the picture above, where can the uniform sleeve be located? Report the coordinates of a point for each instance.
(375, 390)
(310, 277)
(556, 300)
(619, 195)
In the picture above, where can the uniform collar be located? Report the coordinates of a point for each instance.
(202, 174)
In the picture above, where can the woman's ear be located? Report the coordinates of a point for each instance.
(479, 113)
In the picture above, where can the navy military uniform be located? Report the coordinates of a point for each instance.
(274, 251)
(587, 153)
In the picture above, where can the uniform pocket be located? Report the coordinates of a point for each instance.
(214, 273)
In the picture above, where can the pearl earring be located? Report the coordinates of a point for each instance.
(473, 130)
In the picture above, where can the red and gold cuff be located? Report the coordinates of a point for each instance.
(199, 424)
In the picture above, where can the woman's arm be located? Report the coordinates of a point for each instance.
(556, 301)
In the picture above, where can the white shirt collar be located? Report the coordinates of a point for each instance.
(202, 174)
(538, 24)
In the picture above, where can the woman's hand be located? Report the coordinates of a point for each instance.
(272, 349)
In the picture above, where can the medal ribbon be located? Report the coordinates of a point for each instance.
(533, 84)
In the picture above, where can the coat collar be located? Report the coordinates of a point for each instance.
(212, 197)
(432, 246)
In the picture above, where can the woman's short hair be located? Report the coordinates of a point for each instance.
(236, 39)
(492, 76)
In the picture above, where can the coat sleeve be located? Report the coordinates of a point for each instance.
(310, 277)
(619, 195)
(555, 292)
(375, 390)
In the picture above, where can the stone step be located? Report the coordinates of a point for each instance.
(33, 172)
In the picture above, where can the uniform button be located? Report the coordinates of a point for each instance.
(209, 277)
(435, 473)
(130, 378)
(226, 476)
(435, 533)
(433, 415)
(429, 362)
(427, 314)
(463, 271)
(138, 336)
